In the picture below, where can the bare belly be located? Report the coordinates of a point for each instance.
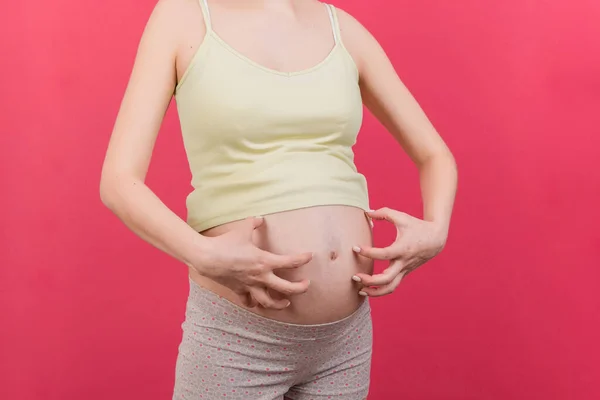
(329, 232)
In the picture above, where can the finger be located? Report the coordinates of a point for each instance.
(275, 261)
(247, 228)
(265, 300)
(286, 287)
(371, 223)
(251, 301)
(385, 278)
(255, 222)
(246, 299)
(383, 290)
(377, 253)
(393, 216)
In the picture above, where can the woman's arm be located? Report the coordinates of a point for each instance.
(392, 104)
(146, 99)
(231, 259)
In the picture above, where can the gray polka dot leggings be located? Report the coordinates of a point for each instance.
(228, 352)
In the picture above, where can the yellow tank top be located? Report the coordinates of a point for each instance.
(260, 141)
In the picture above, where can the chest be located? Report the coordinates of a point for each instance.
(236, 99)
(280, 44)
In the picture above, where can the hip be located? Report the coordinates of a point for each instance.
(228, 351)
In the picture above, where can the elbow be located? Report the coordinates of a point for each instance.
(117, 189)
(449, 157)
(110, 189)
(107, 193)
(442, 156)
(117, 186)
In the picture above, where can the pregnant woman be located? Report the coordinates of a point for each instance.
(278, 235)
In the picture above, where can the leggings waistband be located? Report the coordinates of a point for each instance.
(210, 308)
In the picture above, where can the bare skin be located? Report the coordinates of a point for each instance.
(266, 264)
(329, 233)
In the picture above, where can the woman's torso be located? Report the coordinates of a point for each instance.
(281, 44)
(329, 232)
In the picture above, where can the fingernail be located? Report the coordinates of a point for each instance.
(288, 304)
(258, 216)
(356, 278)
(371, 210)
(356, 249)
(362, 293)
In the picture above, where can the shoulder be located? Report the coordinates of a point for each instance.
(357, 39)
(169, 27)
(171, 18)
(173, 9)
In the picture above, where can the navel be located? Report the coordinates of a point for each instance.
(333, 255)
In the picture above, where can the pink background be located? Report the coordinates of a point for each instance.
(511, 308)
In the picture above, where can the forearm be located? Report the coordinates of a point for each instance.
(438, 177)
(148, 217)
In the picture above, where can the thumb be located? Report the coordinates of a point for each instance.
(256, 222)
(246, 229)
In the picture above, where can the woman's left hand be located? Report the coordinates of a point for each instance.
(417, 241)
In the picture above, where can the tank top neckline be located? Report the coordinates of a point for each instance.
(212, 34)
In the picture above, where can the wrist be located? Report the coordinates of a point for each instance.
(442, 238)
(198, 254)
(440, 231)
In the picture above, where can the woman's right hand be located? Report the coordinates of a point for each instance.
(234, 261)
